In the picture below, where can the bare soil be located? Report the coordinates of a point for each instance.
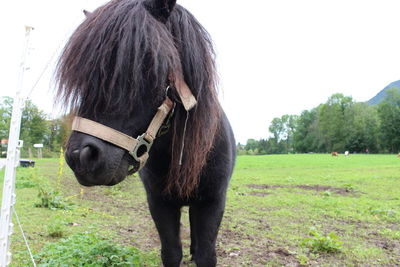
(317, 188)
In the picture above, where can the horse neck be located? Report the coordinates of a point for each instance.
(160, 154)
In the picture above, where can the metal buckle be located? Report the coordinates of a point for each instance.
(164, 128)
(142, 141)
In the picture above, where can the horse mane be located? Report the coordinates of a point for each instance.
(197, 58)
(121, 54)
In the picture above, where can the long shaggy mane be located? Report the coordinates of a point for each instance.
(121, 56)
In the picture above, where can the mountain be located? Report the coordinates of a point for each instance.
(382, 94)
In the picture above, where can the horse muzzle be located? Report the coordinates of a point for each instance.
(95, 162)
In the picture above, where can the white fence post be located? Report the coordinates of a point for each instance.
(8, 198)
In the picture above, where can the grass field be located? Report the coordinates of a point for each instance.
(282, 210)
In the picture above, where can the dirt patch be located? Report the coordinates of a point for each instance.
(259, 194)
(387, 245)
(231, 250)
(283, 252)
(391, 245)
(265, 186)
(285, 257)
(337, 190)
(317, 188)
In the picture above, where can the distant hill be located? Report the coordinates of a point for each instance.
(382, 94)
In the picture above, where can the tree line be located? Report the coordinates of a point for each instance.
(340, 124)
(36, 128)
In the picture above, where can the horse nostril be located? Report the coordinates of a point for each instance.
(88, 155)
(73, 157)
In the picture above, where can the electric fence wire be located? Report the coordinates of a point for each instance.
(26, 241)
(43, 71)
(62, 42)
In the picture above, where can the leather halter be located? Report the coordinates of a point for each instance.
(145, 140)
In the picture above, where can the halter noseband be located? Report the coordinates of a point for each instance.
(145, 140)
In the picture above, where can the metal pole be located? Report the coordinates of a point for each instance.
(13, 151)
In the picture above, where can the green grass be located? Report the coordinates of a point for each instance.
(362, 202)
(282, 210)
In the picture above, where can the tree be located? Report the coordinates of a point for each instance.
(60, 129)
(5, 116)
(290, 126)
(389, 114)
(277, 129)
(34, 127)
(361, 128)
(332, 122)
(251, 144)
(306, 137)
(283, 129)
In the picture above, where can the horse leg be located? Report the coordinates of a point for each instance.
(207, 218)
(167, 220)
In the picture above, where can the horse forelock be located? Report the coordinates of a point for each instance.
(114, 57)
(120, 55)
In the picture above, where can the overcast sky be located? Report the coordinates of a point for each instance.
(275, 57)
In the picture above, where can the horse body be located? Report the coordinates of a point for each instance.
(114, 71)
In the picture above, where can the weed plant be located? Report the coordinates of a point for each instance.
(318, 242)
(51, 199)
(56, 228)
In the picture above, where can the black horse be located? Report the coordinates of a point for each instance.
(125, 60)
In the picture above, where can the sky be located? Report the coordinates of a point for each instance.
(274, 57)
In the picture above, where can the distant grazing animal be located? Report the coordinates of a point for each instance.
(140, 74)
(398, 155)
(346, 153)
(334, 154)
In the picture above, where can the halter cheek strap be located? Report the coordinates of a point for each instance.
(185, 94)
(145, 140)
